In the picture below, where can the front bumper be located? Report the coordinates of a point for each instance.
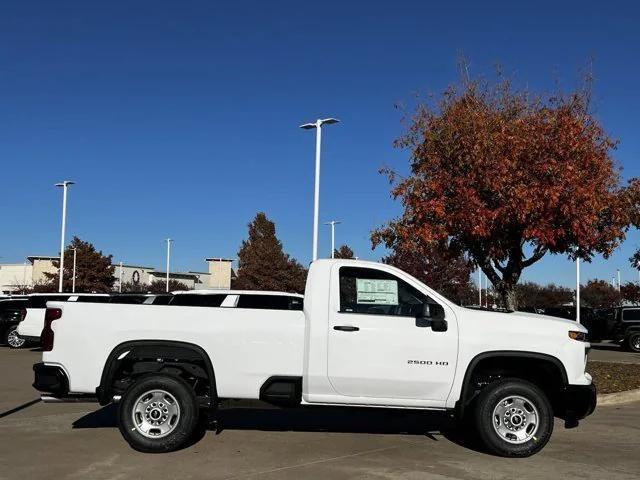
(50, 379)
(579, 401)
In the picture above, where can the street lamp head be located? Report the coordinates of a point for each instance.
(65, 183)
(328, 121)
(319, 122)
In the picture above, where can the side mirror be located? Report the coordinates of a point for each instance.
(432, 315)
(432, 311)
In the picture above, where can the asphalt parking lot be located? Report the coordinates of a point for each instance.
(611, 352)
(70, 441)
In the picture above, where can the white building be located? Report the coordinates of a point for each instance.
(14, 277)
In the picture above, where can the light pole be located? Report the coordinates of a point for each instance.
(120, 281)
(168, 240)
(618, 273)
(24, 277)
(73, 281)
(65, 187)
(333, 224)
(486, 291)
(316, 195)
(578, 289)
(479, 287)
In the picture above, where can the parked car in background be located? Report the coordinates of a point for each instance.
(261, 300)
(364, 334)
(140, 298)
(620, 324)
(11, 313)
(624, 328)
(30, 328)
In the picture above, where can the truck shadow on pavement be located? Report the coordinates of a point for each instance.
(431, 425)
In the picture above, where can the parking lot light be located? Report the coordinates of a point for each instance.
(65, 187)
(168, 240)
(316, 191)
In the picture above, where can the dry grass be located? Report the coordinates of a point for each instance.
(614, 377)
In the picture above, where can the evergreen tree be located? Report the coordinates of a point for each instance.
(343, 252)
(262, 263)
(94, 272)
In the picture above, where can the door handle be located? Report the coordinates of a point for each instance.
(346, 328)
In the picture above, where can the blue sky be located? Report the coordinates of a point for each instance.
(180, 118)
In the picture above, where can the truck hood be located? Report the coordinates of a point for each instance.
(548, 318)
(525, 317)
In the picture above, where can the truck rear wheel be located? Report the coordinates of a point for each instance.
(513, 418)
(158, 413)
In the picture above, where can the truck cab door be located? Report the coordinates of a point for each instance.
(388, 339)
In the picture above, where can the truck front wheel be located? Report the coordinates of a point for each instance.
(158, 413)
(513, 418)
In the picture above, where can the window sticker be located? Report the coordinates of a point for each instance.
(376, 292)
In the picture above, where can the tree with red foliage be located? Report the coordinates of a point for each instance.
(599, 294)
(532, 295)
(506, 178)
(630, 292)
(440, 268)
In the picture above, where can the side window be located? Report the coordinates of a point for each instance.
(631, 315)
(195, 300)
(269, 302)
(374, 292)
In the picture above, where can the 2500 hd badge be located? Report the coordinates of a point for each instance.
(427, 362)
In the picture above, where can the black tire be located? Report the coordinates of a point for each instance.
(11, 339)
(632, 342)
(531, 403)
(187, 418)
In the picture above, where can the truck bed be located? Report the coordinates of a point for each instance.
(247, 346)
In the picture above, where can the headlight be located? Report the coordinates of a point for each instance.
(579, 336)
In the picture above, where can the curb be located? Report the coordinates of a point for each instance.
(619, 398)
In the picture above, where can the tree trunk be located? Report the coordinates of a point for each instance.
(508, 296)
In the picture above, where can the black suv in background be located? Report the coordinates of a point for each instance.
(625, 328)
(11, 313)
(620, 324)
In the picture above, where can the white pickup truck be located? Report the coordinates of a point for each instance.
(369, 335)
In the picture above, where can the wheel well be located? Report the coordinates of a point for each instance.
(130, 360)
(544, 371)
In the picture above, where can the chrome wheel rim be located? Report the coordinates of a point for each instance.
(635, 342)
(515, 419)
(14, 340)
(155, 414)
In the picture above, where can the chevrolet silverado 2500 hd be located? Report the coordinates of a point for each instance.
(368, 335)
